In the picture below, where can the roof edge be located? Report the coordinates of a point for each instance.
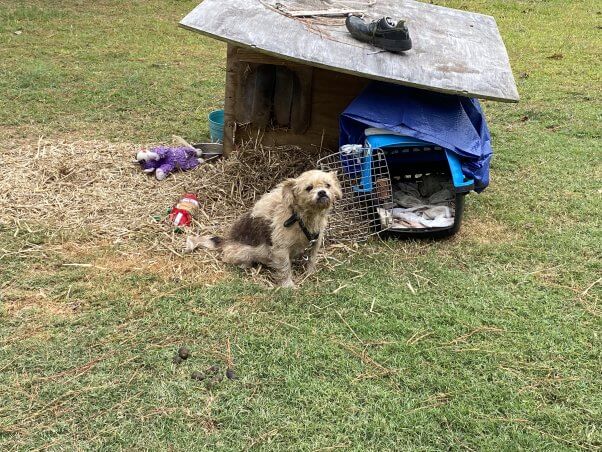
(343, 71)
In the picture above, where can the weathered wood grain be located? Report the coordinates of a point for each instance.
(453, 51)
(283, 96)
(302, 99)
(230, 101)
(314, 113)
(323, 13)
(245, 92)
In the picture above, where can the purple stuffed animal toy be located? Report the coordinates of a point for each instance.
(164, 160)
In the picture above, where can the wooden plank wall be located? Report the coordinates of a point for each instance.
(331, 93)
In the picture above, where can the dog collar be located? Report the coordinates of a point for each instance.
(295, 218)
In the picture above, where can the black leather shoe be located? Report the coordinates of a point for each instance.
(383, 33)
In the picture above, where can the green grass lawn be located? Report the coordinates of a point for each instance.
(488, 341)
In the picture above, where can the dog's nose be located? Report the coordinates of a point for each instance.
(322, 194)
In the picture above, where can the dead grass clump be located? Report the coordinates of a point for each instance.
(487, 231)
(93, 186)
(18, 301)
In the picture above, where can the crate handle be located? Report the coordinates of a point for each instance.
(461, 183)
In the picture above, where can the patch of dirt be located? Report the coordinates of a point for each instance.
(195, 267)
(486, 231)
(16, 302)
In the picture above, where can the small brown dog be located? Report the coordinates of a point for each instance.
(281, 226)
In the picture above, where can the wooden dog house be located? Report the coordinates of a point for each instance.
(292, 67)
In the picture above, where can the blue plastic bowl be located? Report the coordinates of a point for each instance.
(216, 126)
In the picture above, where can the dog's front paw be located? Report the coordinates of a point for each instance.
(287, 284)
(310, 269)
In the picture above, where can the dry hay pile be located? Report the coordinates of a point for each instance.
(92, 194)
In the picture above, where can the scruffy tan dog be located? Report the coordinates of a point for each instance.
(280, 226)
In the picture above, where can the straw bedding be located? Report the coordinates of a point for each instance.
(91, 193)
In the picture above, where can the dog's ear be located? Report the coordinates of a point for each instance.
(288, 191)
(336, 186)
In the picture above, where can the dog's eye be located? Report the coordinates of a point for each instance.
(327, 185)
(309, 188)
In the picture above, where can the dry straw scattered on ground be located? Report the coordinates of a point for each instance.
(94, 186)
(90, 194)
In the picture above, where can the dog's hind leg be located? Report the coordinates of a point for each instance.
(235, 253)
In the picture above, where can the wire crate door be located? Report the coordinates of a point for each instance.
(366, 185)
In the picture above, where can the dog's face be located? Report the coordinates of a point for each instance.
(313, 190)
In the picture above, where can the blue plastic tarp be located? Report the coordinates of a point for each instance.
(455, 123)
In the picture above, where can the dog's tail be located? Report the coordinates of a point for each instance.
(211, 242)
